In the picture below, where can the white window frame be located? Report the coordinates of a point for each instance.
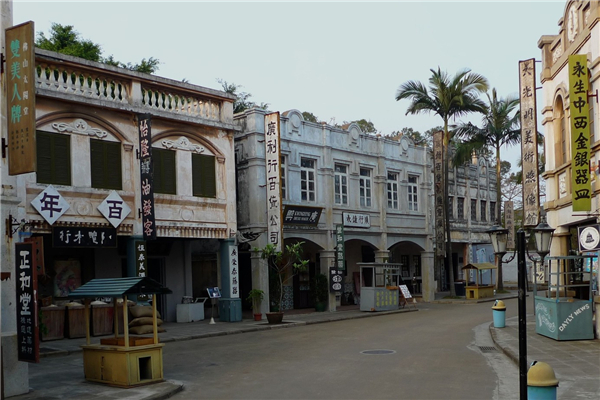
(392, 190)
(308, 180)
(340, 184)
(412, 190)
(366, 187)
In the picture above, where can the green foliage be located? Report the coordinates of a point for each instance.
(255, 296)
(283, 266)
(365, 126)
(66, 40)
(308, 116)
(319, 288)
(242, 101)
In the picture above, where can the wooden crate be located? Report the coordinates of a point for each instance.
(75, 322)
(102, 319)
(54, 320)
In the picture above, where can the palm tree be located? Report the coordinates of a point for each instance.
(498, 128)
(450, 98)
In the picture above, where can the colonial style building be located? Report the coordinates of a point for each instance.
(578, 33)
(380, 190)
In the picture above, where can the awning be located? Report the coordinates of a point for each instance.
(480, 266)
(117, 287)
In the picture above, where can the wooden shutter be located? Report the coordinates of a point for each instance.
(113, 165)
(105, 164)
(44, 157)
(164, 176)
(62, 159)
(203, 175)
(53, 158)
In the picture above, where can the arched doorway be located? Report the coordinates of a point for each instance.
(408, 254)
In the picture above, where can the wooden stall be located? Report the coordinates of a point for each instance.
(379, 286)
(481, 287)
(125, 361)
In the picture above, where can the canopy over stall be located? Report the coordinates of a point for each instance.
(478, 289)
(130, 361)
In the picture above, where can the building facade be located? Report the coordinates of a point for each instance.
(379, 190)
(578, 33)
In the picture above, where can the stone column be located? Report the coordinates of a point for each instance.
(230, 303)
(260, 278)
(427, 276)
(327, 260)
(381, 256)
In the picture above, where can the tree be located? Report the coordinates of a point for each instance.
(365, 126)
(500, 126)
(66, 40)
(242, 102)
(450, 98)
(308, 116)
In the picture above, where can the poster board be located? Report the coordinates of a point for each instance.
(214, 293)
(406, 298)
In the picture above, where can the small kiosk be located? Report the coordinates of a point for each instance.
(483, 285)
(379, 284)
(564, 310)
(126, 361)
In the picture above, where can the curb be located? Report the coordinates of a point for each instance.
(506, 350)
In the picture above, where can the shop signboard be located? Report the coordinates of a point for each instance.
(340, 251)
(147, 183)
(20, 84)
(336, 278)
(234, 272)
(588, 238)
(114, 209)
(509, 222)
(356, 220)
(438, 191)
(273, 174)
(141, 263)
(301, 215)
(27, 310)
(529, 147)
(50, 204)
(82, 236)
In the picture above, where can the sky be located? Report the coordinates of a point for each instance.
(341, 61)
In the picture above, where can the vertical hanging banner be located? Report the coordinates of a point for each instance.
(509, 223)
(580, 133)
(234, 276)
(340, 252)
(272, 159)
(529, 146)
(141, 263)
(147, 198)
(440, 203)
(20, 85)
(27, 315)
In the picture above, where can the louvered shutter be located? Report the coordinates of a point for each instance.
(203, 175)
(44, 157)
(62, 159)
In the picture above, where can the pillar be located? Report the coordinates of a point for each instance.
(230, 303)
(382, 256)
(260, 278)
(327, 260)
(428, 285)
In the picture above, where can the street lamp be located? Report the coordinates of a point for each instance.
(543, 238)
(499, 238)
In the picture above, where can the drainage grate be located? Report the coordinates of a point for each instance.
(487, 349)
(377, 352)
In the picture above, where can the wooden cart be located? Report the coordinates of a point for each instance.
(126, 361)
(483, 286)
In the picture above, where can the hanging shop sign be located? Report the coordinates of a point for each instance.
(141, 264)
(234, 272)
(301, 215)
(509, 223)
(340, 251)
(50, 204)
(83, 236)
(336, 277)
(20, 113)
(438, 190)
(529, 147)
(147, 198)
(114, 209)
(580, 133)
(356, 220)
(273, 173)
(27, 315)
(588, 237)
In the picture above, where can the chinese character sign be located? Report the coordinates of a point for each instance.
(529, 147)
(336, 278)
(580, 133)
(27, 315)
(50, 204)
(438, 180)
(20, 86)
(509, 222)
(273, 174)
(83, 236)
(114, 209)
(147, 197)
(141, 263)
(340, 252)
(234, 272)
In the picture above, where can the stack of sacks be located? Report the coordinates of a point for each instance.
(142, 320)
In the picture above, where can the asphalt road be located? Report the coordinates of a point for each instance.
(435, 353)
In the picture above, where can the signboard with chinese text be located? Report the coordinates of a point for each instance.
(529, 147)
(147, 198)
(114, 209)
(73, 236)
(580, 133)
(438, 190)
(509, 223)
(27, 314)
(273, 174)
(234, 276)
(356, 220)
(336, 279)
(340, 252)
(141, 263)
(50, 204)
(20, 113)
(301, 215)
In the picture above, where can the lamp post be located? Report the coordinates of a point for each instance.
(543, 238)
(499, 237)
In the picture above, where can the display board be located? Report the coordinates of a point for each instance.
(406, 298)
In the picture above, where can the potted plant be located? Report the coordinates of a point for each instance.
(283, 266)
(320, 291)
(256, 296)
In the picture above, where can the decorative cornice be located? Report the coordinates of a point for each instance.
(182, 143)
(80, 127)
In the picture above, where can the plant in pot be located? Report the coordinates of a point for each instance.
(283, 266)
(256, 296)
(320, 291)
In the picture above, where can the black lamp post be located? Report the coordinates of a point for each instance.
(499, 237)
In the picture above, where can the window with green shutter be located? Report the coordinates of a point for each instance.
(53, 158)
(203, 176)
(106, 164)
(165, 180)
